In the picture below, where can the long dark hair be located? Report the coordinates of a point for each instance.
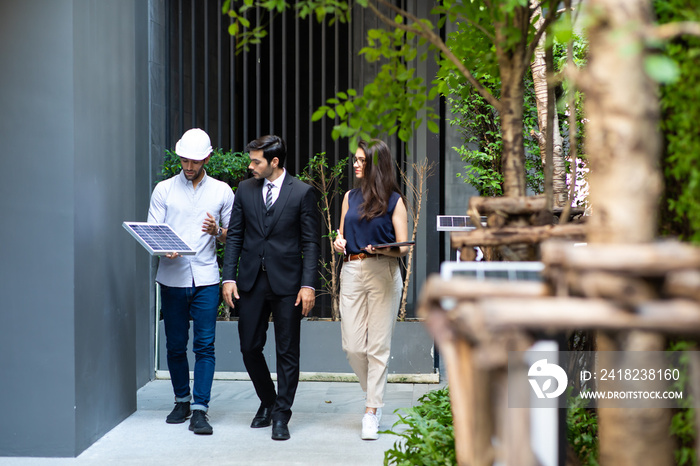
(378, 180)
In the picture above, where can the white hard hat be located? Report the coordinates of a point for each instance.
(194, 145)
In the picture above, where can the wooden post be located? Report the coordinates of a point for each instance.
(472, 426)
(644, 432)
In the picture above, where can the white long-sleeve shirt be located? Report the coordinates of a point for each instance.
(175, 201)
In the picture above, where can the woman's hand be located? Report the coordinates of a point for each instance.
(391, 252)
(340, 243)
(372, 250)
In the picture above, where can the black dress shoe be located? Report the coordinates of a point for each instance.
(263, 417)
(280, 430)
(180, 413)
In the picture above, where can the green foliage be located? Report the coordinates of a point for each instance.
(473, 39)
(683, 428)
(480, 126)
(318, 171)
(247, 34)
(327, 181)
(429, 438)
(661, 68)
(582, 430)
(393, 103)
(680, 116)
(580, 55)
(683, 420)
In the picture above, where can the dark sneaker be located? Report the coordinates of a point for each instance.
(199, 424)
(180, 413)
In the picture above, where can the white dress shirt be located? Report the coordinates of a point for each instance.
(276, 186)
(175, 201)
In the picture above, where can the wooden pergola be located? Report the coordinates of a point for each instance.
(609, 288)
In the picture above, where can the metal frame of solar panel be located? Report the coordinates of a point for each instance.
(158, 238)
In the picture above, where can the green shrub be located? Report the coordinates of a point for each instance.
(679, 210)
(683, 420)
(429, 438)
(582, 430)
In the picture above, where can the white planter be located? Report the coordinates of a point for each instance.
(322, 358)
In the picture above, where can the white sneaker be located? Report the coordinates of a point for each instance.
(370, 426)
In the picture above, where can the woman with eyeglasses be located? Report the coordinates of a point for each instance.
(370, 281)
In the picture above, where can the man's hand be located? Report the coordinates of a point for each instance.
(209, 226)
(227, 290)
(307, 297)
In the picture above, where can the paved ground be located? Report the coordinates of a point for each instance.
(325, 430)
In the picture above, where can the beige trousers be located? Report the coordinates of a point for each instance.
(370, 294)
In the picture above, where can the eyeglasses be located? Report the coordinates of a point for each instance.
(356, 160)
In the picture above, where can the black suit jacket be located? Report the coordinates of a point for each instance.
(290, 245)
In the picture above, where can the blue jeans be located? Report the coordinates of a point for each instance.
(178, 305)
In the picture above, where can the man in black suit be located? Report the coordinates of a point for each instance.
(270, 267)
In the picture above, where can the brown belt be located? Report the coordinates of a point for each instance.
(360, 256)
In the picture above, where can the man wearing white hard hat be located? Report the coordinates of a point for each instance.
(194, 205)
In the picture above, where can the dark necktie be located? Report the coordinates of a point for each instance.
(268, 197)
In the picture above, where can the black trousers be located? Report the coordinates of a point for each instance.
(256, 306)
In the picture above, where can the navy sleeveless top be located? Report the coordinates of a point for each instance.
(360, 233)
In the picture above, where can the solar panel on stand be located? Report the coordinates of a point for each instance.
(457, 223)
(509, 271)
(158, 238)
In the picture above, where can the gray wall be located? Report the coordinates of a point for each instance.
(157, 116)
(74, 128)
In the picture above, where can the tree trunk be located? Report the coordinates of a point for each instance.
(633, 436)
(622, 139)
(513, 62)
(513, 159)
(623, 145)
(539, 79)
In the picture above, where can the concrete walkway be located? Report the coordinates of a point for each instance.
(325, 429)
